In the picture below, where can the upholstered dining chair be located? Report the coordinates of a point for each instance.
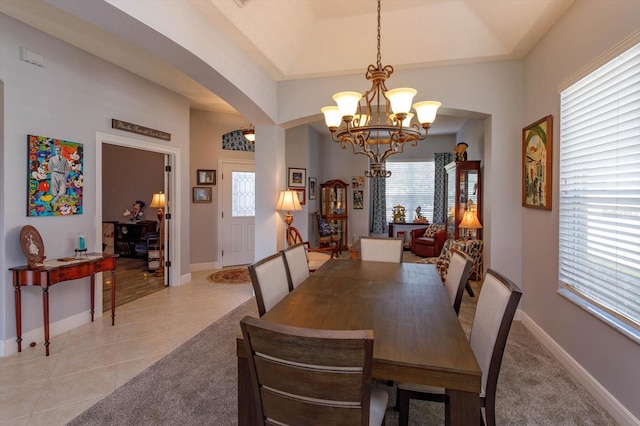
(295, 260)
(495, 309)
(269, 280)
(457, 277)
(316, 256)
(304, 376)
(381, 249)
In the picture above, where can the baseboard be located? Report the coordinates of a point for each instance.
(618, 411)
(195, 267)
(10, 347)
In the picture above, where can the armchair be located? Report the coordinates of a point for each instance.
(428, 242)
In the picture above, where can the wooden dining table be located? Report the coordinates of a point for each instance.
(417, 335)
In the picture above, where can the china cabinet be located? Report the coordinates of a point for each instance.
(334, 208)
(464, 191)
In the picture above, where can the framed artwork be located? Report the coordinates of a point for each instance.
(32, 245)
(357, 182)
(536, 164)
(56, 181)
(313, 188)
(301, 195)
(202, 194)
(206, 177)
(297, 178)
(358, 199)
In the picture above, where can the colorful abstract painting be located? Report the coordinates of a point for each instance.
(55, 177)
(234, 141)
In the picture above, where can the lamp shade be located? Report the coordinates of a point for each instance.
(427, 111)
(249, 134)
(401, 99)
(347, 102)
(158, 200)
(470, 220)
(288, 201)
(332, 116)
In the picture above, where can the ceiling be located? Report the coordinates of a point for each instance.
(325, 37)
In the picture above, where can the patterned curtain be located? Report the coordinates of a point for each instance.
(378, 206)
(439, 192)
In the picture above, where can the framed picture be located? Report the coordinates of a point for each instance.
(206, 177)
(357, 182)
(202, 194)
(297, 178)
(358, 199)
(301, 195)
(536, 164)
(313, 188)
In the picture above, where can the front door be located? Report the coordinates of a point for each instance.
(237, 213)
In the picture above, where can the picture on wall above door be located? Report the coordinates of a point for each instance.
(56, 180)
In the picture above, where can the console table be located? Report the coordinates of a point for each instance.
(406, 227)
(52, 272)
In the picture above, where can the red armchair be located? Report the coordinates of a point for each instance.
(424, 246)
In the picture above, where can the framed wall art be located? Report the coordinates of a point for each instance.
(202, 194)
(301, 195)
(536, 164)
(297, 178)
(206, 177)
(56, 181)
(313, 188)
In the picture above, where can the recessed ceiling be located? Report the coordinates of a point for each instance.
(293, 39)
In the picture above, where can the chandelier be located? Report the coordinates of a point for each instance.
(378, 123)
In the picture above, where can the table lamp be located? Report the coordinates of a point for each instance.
(470, 222)
(159, 200)
(287, 202)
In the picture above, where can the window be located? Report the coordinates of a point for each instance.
(243, 197)
(600, 192)
(410, 185)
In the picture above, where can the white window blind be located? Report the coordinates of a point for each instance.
(410, 185)
(600, 189)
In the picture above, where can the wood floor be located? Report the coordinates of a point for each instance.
(133, 281)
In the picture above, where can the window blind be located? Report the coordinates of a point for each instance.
(411, 184)
(599, 242)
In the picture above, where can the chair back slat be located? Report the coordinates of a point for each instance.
(381, 249)
(297, 264)
(457, 277)
(269, 280)
(306, 376)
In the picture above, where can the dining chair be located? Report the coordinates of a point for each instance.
(457, 277)
(326, 237)
(316, 256)
(295, 260)
(494, 314)
(305, 376)
(269, 280)
(381, 249)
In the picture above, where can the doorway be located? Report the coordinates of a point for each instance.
(236, 227)
(162, 157)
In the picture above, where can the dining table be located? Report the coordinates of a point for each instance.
(417, 335)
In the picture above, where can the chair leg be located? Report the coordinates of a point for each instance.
(402, 404)
(469, 289)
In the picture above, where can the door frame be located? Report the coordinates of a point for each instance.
(221, 162)
(173, 181)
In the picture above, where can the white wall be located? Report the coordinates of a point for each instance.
(72, 97)
(585, 32)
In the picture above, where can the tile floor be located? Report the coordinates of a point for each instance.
(88, 363)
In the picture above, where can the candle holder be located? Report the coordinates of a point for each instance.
(80, 253)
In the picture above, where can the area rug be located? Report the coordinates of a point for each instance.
(230, 276)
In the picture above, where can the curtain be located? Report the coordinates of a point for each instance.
(440, 192)
(378, 206)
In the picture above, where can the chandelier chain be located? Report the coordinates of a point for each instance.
(379, 57)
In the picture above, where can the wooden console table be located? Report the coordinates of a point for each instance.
(53, 272)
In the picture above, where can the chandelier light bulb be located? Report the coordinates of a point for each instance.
(347, 103)
(401, 99)
(332, 117)
(427, 111)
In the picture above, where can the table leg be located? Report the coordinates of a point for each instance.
(113, 297)
(18, 303)
(462, 408)
(45, 315)
(93, 295)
